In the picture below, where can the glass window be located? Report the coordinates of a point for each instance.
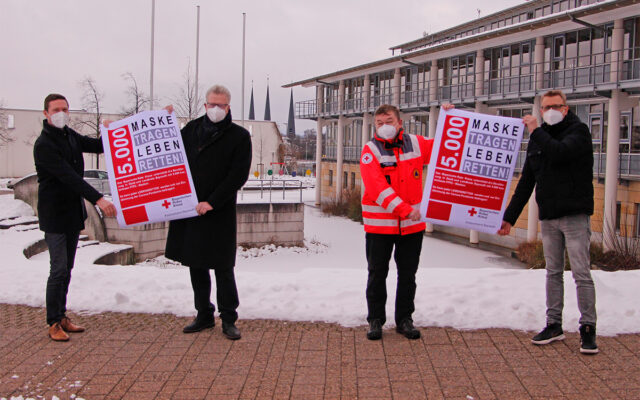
(584, 47)
(526, 54)
(330, 177)
(345, 180)
(571, 47)
(353, 180)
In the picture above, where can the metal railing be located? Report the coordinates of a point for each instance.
(271, 185)
(584, 74)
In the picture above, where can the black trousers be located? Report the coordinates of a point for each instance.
(407, 256)
(226, 293)
(62, 253)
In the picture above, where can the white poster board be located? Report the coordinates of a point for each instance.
(472, 163)
(148, 170)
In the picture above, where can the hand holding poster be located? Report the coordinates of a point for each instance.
(470, 172)
(148, 171)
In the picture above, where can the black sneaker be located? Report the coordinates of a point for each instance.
(549, 334)
(588, 339)
(406, 328)
(230, 331)
(375, 330)
(198, 324)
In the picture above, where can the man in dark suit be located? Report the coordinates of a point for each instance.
(219, 156)
(61, 189)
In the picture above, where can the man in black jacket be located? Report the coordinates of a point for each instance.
(61, 189)
(219, 156)
(559, 164)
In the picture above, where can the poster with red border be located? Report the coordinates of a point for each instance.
(472, 163)
(148, 170)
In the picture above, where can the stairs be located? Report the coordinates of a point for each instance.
(91, 251)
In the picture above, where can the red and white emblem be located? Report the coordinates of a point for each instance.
(367, 158)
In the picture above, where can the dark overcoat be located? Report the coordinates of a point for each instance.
(559, 164)
(57, 154)
(219, 157)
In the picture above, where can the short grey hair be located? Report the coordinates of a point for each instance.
(219, 89)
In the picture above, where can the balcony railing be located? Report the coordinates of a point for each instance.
(628, 167)
(351, 153)
(570, 75)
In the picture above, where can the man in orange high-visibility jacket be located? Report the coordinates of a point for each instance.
(391, 167)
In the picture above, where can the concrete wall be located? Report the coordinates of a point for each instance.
(277, 223)
(148, 240)
(26, 189)
(258, 224)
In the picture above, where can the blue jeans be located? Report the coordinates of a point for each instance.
(574, 233)
(62, 253)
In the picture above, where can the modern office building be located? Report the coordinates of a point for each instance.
(500, 64)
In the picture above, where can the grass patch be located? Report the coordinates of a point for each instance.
(532, 254)
(350, 205)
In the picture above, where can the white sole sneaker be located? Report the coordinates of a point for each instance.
(547, 341)
(589, 351)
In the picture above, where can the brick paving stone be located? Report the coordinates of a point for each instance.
(144, 356)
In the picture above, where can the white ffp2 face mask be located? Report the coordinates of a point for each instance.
(216, 114)
(552, 117)
(59, 119)
(387, 132)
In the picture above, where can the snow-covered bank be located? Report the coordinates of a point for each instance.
(458, 286)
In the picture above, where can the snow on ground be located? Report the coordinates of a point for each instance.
(11, 208)
(4, 182)
(458, 286)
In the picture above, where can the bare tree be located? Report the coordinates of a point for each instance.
(185, 103)
(137, 98)
(91, 101)
(5, 132)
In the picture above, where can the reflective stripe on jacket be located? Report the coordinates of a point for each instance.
(392, 177)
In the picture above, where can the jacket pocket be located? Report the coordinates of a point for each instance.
(535, 159)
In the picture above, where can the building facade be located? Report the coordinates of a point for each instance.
(23, 127)
(501, 64)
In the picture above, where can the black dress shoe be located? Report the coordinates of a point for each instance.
(375, 330)
(230, 331)
(406, 328)
(199, 324)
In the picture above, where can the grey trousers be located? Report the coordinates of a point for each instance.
(574, 233)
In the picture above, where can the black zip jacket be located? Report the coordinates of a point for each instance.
(559, 164)
(61, 188)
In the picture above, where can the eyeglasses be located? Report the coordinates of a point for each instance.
(212, 105)
(556, 107)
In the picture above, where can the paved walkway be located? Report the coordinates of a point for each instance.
(145, 356)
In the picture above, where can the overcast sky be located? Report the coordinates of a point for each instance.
(49, 46)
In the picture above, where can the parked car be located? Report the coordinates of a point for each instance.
(99, 180)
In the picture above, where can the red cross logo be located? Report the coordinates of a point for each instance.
(166, 204)
(472, 212)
